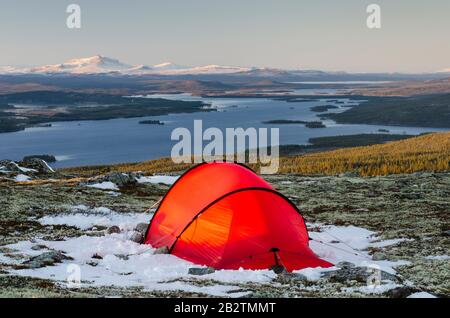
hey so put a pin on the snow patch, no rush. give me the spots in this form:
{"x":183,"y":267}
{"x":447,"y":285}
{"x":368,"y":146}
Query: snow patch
{"x":348,"y":244}
{"x":421,"y":295}
{"x":106,"y":185}
{"x":22,"y":178}
{"x":96,"y":217}
{"x":438,"y":257}
{"x":169,"y":180}
{"x":126,"y":264}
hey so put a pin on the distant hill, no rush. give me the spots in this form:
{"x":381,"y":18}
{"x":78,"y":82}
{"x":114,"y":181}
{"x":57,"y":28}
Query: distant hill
{"x":417,"y":111}
{"x":408,"y":88}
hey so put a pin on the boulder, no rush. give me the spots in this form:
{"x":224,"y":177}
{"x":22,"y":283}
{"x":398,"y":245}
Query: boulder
{"x":121,"y":179}
{"x":401,"y":292}
{"x":113,"y":229}
{"x":349,"y":272}
{"x":289,"y":278}
{"x":379,"y":256}
{"x":46,"y":259}
{"x":37,"y":164}
{"x":38,"y":247}
{"x":136,"y":237}
{"x":141,"y":228}
{"x":9,"y":166}
{"x":201,"y":271}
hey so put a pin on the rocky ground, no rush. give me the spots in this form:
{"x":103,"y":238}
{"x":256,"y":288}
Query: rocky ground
{"x":411,"y":209}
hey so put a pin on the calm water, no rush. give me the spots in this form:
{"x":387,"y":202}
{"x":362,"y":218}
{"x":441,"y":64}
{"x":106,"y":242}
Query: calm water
{"x":124,"y":140}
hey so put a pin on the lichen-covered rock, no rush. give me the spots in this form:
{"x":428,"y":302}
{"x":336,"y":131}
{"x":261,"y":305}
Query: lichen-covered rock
{"x":46,"y":259}
{"x":349,"y":272}
{"x":120,"y":179}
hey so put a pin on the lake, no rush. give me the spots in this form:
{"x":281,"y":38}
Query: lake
{"x":125,"y":140}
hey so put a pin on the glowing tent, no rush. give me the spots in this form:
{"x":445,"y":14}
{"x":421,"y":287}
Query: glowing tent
{"x":225,"y":216}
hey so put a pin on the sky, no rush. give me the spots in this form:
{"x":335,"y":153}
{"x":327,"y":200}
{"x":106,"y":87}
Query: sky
{"x":293,"y":34}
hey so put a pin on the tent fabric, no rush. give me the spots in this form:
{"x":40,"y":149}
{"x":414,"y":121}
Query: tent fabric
{"x":225,"y":216}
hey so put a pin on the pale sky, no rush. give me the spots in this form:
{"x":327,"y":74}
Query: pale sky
{"x":313,"y":34}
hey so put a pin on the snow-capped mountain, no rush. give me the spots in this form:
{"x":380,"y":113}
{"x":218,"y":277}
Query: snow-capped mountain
{"x":168,"y":66}
{"x":99,"y":64}
{"x":211,"y":69}
{"x":88,"y":65}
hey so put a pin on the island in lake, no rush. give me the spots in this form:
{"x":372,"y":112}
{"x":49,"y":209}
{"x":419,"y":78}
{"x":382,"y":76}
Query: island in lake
{"x":151,"y":122}
{"x":308,"y":124}
{"x":322,"y":108}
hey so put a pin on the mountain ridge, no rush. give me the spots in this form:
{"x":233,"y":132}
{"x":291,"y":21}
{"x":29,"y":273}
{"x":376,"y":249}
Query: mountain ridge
{"x":99,"y":64}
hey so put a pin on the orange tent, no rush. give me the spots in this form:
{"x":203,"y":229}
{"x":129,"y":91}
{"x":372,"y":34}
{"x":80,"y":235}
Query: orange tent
{"x":225,"y":216}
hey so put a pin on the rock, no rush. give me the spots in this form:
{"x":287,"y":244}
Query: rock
{"x":201,"y":270}
{"x":37,"y":164}
{"x":10,"y":166}
{"x":288,"y":278}
{"x":401,"y":292}
{"x":113,"y":229}
{"x":447,"y":233}
{"x":162,"y":250}
{"x":137,"y":237}
{"x":141,"y":228}
{"x":121,"y":179}
{"x":379,"y":256}
{"x":345,"y":265}
{"x":362,"y":274}
{"x":46,"y":259}
{"x":38,"y":247}
{"x":97,"y":256}
{"x":122,"y":256}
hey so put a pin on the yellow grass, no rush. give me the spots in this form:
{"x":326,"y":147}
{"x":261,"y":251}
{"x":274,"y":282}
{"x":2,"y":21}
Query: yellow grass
{"x":429,"y":152}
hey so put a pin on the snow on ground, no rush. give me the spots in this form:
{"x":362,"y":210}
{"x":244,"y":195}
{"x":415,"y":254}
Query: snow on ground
{"x":159,"y":179}
{"x":106,"y":185}
{"x":348,"y":243}
{"x":21,"y":178}
{"x":373,"y":289}
{"x":421,"y":295}
{"x":438,"y":257}
{"x":17,"y":167}
{"x":125,"y":263}
{"x":84,"y":218}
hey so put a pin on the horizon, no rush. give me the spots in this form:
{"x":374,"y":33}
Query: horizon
{"x":297,"y":35}
{"x":242,"y":66}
